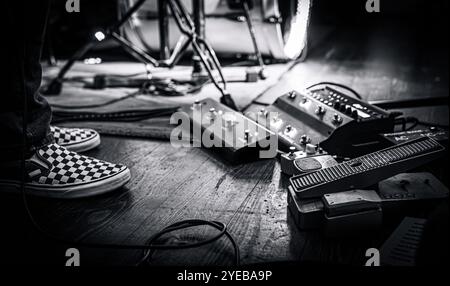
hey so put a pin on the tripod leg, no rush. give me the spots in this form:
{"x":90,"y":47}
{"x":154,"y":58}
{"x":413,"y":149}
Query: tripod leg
{"x":55,"y":85}
{"x":187,"y":28}
{"x":198,"y":8}
{"x":133,"y":50}
{"x":181,"y":46}
{"x":252,"y":31}
{"x":226,"y":97}
{"x":214,"y":61}
{"x":163,"y":30}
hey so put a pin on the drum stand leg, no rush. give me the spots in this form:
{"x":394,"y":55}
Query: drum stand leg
{"x":192,"y":35}
{"x":251,"y":28}
{"x":163,"y":22}
{"x":202,"y":50}
{"x":198,"y":8}
{"x":55,"y":85}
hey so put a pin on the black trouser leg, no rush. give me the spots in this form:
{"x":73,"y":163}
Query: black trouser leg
{"x":22,"y":24}
{"x":23,"y":27}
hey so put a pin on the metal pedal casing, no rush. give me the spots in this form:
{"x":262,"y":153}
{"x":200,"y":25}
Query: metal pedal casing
{"x":235,"y":136}
{"x":341,"y":124}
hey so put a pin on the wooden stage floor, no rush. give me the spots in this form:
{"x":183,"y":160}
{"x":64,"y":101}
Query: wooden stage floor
{"x":170,"y":184}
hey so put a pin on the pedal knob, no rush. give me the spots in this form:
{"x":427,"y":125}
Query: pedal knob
{"x":212,"y":113}
{"x":263,"y":112}
{"x":292,"y":95}
{"x":348,"y":110}
{"x":337,"y":105}
{"x":304,"y":139}
{"x":337,"y":119}
{"x":320,"y":110}
{"x":228,"y":120}
{"x":197,"y":104}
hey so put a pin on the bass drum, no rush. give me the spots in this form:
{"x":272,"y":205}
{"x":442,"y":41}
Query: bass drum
{"x":281,"y":27}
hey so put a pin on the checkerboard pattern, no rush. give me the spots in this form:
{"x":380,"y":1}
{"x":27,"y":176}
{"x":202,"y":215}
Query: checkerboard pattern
{"x":66,"y":136}
{"x":71,"y":168}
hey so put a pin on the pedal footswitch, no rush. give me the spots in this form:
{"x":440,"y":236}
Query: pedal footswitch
{"x":309,"y":160}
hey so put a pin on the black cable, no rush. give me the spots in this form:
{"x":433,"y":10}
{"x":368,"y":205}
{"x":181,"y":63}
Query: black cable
{"x":338,"y":85}
{"x":431,"y":124}
{"x":154,"y":86}
{"x":412,"y":120}
{"x":149,"y":246}
{"x":148,"y":253}
{"x":133,"y":94}
{"x":116,"y":116}
{"x":86,"y":78}
{"x":415,"y":122}
{"x":164,"y":87}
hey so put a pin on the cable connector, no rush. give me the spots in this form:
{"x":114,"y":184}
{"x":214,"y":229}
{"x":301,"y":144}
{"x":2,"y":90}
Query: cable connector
{"x":228,"y":101}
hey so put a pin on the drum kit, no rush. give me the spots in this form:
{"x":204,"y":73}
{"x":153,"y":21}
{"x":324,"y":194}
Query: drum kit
{"x":262,"y":28}
{"x":280,"y":27}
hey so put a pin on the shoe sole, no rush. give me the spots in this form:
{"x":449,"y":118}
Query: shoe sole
{"x":74,"y":191}
{"x":87,"y":145}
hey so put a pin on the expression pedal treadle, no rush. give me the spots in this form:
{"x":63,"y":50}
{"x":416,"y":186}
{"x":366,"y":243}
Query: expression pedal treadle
{"x":368,"y":169}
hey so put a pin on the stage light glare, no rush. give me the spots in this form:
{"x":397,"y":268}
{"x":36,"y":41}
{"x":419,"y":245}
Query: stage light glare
{"x":100,"y":36}
{"x":297,"y":38}
{"x":93,"y":61}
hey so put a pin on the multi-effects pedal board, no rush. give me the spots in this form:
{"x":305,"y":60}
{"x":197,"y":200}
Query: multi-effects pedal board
{"x":341,"y":124}
{"x":215,"y":126}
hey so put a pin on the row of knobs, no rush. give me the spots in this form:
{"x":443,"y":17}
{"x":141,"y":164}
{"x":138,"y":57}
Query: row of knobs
{"x":340,"y":107}
{"x":310,"y":149}
{"x":228,"y":120}
{"x":337,"y":119}
{"x":346,"y":109}
{"x":320,"y":111}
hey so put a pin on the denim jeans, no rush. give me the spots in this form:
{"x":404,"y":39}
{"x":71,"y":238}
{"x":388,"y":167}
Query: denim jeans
{"x":24,"y":114}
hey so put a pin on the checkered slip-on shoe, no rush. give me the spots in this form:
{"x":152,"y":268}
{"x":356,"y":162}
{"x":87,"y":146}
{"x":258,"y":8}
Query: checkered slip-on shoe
{"x":56,"y":172}
{"x":75,"y":139}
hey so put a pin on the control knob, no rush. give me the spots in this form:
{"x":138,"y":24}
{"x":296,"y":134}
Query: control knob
{"x":337,"y":119}
{"x":320,"y":110}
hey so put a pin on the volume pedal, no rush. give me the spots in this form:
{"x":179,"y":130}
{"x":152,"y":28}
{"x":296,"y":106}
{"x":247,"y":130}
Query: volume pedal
{"x":368,"y":169}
